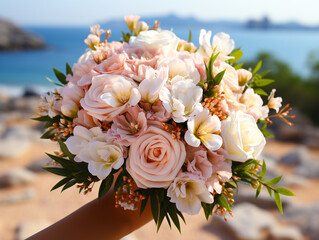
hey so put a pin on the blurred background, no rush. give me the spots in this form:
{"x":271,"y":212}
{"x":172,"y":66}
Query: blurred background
{"x":37,"y":35}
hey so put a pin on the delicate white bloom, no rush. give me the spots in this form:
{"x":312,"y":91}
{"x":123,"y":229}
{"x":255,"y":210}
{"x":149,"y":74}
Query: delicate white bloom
{"x":254,"y":104}
{"x":183,"y":101}
{"x":93,"y":147}
{"x":96,"y":30}
{"x":243,"y":76}
{"x":201,"y":128}
{"x":156,"y":40}
{"x":222,"y":44}
{"x":122,"y":93}
{"x":242,"y":138}
{"x":230,"y":77}
{"x":131,"y":21}
{"x":92,"y":41}
{"x":180,"y":68}
{"x":48,"y":105}
{"x":69,"y":108}
{"x":188,"y":191}
{"x":141,"y":26}
{"x":274,"y":103}
{"x":150,"y":87}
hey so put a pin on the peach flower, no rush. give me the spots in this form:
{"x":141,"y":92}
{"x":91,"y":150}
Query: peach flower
{"x":128,"y":126}
{"x":86,"y":120}
{"x":155,"y":158}
{"x":155,"y":111}
{"x":200,"y":164}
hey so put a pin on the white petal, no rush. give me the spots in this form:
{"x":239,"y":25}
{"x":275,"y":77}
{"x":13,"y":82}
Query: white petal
{"x":191,"y":139}
{"x":212,"y":141}
{"x":109,"y":99}
{"x":135,"y":97}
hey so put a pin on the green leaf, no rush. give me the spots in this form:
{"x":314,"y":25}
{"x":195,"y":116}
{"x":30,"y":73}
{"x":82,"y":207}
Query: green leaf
{"x":269,"y":191}
{"x":106,"y":185}
{"x":69,"y":184}
{"x":245,"y":164}
{"x":161,"y":218}
{"x":263,"y":82}
{"x":278,"y":202}
{"x":266,"y":133}
{"x":65,"y":150}
{"x":173,"y":214}
{"x":48,"y":134}
{"x":238,"y":66}
{"x":181,"y":215}
{"x":284,"y":191}
{"x":190,"y":35}
{"x":260,"y":92}
{"x":237,"y":54}
{"x":220,"y":199}
{"x":263,"y":169}
{"x":258,"y":66}
{"x":258,"y":190}
{"x":143,"y":205}
{"x":60,"y":183}
{"x":58,"y":171}
{"x":168,"y":221}
{"x":274,"y":181}
{"x":42,"y":119}
{"x":65,"y":163}
{"x":230,"y":184}
{"x":154,"y":207}
{"x":60,"y":76}
{"x":68,"y":69}
{"x":118,"y":181}
{"x":126,"y":37}
{"x":219,"y":77}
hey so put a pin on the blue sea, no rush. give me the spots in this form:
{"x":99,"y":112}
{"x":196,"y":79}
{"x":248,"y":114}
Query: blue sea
{"x":30,"y":68}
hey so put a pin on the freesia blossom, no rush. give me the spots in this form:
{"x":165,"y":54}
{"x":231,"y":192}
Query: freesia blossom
{"x":183,"y":101}
{"x":131,"y":21}
{"x":108,"y":96}
{"x":242,"y":138}
{"x":180,"y":66}
{"x":141,"y":26}
{"x":202,"y":129}
{"x":230,"y":78}
{"x":69,"y":108}
{"x":73,"y":92}
{"x":254,"y":104}
{"x":92,"y":41}
{"x":49,"y":105}
{"x":222,"y":44}
{"x":152,"y":84}
{"x":155,"y":158}
{"x":96,"y":30}
{"x":188,"y":191}
{"x":128,"y":126}
{"x":243,"y":76}
{"x":273,"y":102}
{"x":92,"y":146}
{"x":165,"y":41}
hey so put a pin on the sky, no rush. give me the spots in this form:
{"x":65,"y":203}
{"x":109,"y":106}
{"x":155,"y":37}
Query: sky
{"x":87,"y":12}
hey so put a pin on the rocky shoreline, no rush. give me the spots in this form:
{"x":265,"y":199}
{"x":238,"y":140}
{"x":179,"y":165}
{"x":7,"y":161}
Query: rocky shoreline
{"x":14,"y":38}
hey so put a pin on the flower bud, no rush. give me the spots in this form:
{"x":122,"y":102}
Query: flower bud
{"x":69,"y":108}
{"x":131,"y":21}
{"x":255,"y":184}
{"x":243,"y":76}
{"x":141,"y":26}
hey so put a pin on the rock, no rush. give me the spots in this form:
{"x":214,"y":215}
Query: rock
{"x":309,"y":169}
{"x":247,"y":223}
{"x":28,"y":228}
{"x":14,"y":38}
{"x":16,"y":177}
{"x":296,"y":156}
{"x":285,"y":233}
{"x":37,"y":166}
{"x":16,"y":140}
{"x":17,"y":198}
{"x":306,"y":217}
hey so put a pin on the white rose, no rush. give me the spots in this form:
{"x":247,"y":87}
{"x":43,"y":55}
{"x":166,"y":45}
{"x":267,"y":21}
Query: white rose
{"x":188,"y":191}
{"x":156,"y":40}
{"x":93,"y":147}
{"x":242,"y":138}
{"x":183,"y":101}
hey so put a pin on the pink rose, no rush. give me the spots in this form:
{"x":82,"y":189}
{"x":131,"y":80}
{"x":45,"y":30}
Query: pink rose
{"x":128,"y":126}
{"x":112,"y":65}
{"x":101,"y":102}
{"x":155,"y":158}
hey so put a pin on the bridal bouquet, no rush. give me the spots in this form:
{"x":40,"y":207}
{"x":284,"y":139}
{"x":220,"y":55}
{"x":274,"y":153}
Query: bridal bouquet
{"x":162,"y":120}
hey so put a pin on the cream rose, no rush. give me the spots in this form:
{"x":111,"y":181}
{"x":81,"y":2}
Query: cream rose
{"x":156,"y":40}
{"x":155,"y":158}
{"x":242,"y":138}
